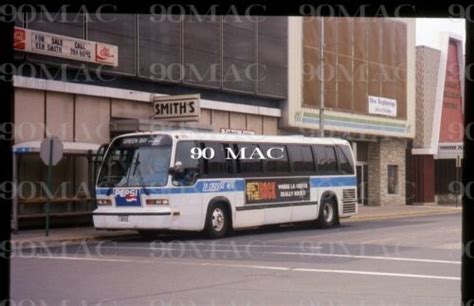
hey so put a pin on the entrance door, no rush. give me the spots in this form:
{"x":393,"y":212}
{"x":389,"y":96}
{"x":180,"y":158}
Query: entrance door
{"x":362,"y":183}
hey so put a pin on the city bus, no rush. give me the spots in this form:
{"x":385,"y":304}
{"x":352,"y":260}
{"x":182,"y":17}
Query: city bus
{"x":217,"y":183}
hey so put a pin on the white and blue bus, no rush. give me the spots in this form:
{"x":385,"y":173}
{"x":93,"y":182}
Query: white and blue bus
{"x":216,"y":183}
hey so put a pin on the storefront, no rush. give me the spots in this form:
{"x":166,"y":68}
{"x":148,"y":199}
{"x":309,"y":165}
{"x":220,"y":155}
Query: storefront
{"x":436,"y":156}
{"x":366,"y":85}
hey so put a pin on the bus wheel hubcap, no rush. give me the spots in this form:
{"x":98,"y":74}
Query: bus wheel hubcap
{"x":328,"y":212}
{"x":218,"y":219}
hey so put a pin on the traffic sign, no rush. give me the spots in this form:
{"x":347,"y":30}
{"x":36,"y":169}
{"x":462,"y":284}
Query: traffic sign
{"x":55,"y":149}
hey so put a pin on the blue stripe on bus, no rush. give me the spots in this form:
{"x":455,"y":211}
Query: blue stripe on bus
{"x":237,"y":185}
{"x":333,"y":181}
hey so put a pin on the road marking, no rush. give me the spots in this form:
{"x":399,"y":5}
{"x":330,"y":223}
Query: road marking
{"x":195,"y":244}
{"x":276,"y":268}
{"x":453,"y":262}
{"x":248,"y":266}
{"x":409,"y":259}
{"x":378,"y":273}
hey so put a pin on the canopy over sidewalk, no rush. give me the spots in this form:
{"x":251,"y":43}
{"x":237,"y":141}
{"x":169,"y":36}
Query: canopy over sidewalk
{"x":69,"y":147}
{"x":32,"y":148}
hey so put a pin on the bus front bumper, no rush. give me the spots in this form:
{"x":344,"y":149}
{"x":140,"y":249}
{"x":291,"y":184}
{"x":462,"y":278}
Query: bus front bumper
{"x":110,"y":220}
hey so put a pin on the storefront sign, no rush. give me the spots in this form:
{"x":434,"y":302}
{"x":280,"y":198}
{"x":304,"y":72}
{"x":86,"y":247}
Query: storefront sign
{"x":237,"y":131}
{"x":177,"y":108}
{"x":382,"y":106}
{"x":277,"y":190}
{"x":450,"y":149}
{"x":66,"y":47}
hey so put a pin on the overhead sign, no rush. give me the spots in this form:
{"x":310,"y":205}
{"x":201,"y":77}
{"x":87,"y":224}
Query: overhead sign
{"x":382,"y":106}
{"x":177,"y":108}
{"x":51,"y":146}
{"x":237,"y":131}
{"x":65,"y":47}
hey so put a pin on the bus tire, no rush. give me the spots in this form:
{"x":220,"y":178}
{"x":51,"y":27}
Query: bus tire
{"x":328,"y":215}
{"x":217,"y":221}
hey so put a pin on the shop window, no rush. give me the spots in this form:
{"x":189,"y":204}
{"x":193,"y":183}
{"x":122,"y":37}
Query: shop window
{"x":392,"y":182}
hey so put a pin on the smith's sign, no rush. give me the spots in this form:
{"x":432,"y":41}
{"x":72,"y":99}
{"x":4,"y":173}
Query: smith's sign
{"x":183,"y":107}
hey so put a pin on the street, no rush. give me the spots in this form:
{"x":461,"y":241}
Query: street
{"x":409,"y":261}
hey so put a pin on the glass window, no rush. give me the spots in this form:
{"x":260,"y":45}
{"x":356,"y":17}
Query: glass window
{"x":344,"y":157}
{"x":191,"y":167}
{"x":136,"y":161}
{"x":276,"y":165}
{"x":202,"y":56}
{"x":159,"y":43}
{"x":215,"y":166}
{"x":326,"y":157}
{"x":250,"y":165}
{"x":301,"y":158}
{"x":118,"y":30}
{"x":392,"y":181}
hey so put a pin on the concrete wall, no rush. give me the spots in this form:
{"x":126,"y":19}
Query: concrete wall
{"x":381,"y":154}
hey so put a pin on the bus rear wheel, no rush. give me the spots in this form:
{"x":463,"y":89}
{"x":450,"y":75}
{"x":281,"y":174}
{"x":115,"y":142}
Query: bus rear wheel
{"x":328,"y":215}
{"x":217,"y":221}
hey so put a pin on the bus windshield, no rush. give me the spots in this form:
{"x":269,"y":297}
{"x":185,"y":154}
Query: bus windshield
{"x":137,"y":161}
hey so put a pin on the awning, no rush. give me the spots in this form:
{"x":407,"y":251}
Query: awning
{"x":69,"y":147}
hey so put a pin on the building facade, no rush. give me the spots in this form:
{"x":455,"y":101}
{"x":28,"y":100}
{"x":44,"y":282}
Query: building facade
{"x":86,"y":80}
{"x":436,"y":156}
{"x":366,"y":74}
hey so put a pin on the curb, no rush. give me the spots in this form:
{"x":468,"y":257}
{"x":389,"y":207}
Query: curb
{"x":72,"y":239}
{"x":402,"y":215}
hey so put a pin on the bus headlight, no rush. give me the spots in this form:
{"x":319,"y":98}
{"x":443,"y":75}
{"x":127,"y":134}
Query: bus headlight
{"x":104,"y":202}
{"x":157,"y":202}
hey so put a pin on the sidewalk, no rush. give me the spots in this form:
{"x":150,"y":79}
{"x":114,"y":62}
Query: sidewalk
{"x":391,"y":212}
{"x":77,"y":234}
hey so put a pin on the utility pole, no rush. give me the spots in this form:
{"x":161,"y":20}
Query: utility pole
{"x":321,"y":70}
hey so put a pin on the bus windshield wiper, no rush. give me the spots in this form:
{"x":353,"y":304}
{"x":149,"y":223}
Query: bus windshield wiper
{"x":140,"y":177}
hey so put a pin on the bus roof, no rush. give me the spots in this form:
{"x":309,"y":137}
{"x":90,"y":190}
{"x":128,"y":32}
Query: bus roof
{"x":192,"y":135}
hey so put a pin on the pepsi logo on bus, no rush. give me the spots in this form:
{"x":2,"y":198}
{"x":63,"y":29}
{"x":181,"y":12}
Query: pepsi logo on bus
{"x":127,"y":197}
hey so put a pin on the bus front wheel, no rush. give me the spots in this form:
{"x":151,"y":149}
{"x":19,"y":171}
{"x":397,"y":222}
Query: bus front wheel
{"x":328,"y":214}
{"x":217,"y":221}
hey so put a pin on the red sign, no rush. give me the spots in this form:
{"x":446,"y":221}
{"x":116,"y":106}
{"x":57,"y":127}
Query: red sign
{"x":105,"y":53}
{"x":451,"y":129}
{"x":19,"y":39}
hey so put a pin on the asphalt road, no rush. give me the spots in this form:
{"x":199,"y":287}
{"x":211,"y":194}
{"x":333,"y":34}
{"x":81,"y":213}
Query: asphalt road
{"x":411,"y":261}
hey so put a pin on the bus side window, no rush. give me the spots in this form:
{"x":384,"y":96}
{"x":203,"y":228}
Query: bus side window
{"x":229,"y":163}
{"x":301,"y":158}
{"x":326,"y":157}
{"x":247,"y":166}
{"x":346,"y":165}
{"x":191,"y":167}
{"x":281,"y":165}
{"x":215,"y":167}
